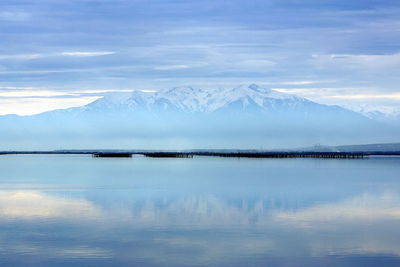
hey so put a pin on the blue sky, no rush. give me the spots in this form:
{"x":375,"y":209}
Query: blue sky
{"x":61,"y":53}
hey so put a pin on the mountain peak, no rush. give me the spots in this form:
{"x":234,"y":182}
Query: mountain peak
{"x":259,"y":89}
{"x":192,"y":99}
{"x":256,"y":89}
{"x":254,"y":86}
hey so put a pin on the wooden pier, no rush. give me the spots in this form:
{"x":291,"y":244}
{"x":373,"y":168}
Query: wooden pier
{"x":327,"y":155}
{"x":227,"y":154}
{"x":168,"y":155}
{"x":112,"y":155}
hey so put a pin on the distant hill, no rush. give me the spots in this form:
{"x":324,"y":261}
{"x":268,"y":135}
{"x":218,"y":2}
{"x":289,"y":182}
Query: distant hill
{"x":370,"y":147}
{"x":385,"y":147}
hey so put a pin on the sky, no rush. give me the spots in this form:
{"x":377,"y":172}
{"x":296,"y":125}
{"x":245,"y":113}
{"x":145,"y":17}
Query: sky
{"x":63,"y":53}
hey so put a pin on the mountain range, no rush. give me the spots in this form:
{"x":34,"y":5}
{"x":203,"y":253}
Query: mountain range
{"x":246,"y":116}
{"x":244,"y":98}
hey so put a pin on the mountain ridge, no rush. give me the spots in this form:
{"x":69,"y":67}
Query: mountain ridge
{"x":189,"y":99}
{"x":246,"y":116}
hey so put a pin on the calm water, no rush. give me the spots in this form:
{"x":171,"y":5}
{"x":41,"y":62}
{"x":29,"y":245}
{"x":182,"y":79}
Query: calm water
{"x":79,"y":210}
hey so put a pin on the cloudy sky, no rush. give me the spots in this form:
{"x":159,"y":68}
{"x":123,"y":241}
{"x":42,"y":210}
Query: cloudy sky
{"x":63,"y":53}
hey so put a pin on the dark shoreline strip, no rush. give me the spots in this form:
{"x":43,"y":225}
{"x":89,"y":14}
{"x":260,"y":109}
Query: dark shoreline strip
{"x":191,"y":154}
{"x":112,"y":155}
{"x":168,"y":155}
{"x":336,"y":155}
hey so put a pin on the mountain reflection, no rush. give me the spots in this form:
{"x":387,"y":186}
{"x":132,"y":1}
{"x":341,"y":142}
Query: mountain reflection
{"x":358,"y":225}
{"x":219,"y":212}
{"x":200,"y":210}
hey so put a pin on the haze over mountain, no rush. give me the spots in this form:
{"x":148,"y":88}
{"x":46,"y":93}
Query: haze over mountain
{"x":246,"y":116}
{"x":244,"y":99}
{"x":386,"y":115}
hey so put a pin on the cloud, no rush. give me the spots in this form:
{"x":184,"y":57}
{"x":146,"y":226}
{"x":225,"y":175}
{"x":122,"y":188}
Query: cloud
{"x":43,"y":71}
{"x":340,"y":93}
{"x":30,"y":106}
{"x":14,"y":92}
{"x":19,"y":88}
{"x":102,"y":91}
{"x":32,"y":93}
{"x":34,"y":100}
{"x":349,"y":97}
{"x":171,"y":67}
{"x":14,"y":16}
{"x":234,"y":41}
{"x":357,"y":61}
{"x":22,"y":56}
{"x":305,"y":82}
{"x":83,"y":252}
{"x":368,"y":96}
{"x":67,"y":54}
{"x":87,"y":54}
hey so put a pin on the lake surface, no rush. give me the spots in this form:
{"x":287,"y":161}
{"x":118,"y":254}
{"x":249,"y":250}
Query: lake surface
{"x":84,"y":211}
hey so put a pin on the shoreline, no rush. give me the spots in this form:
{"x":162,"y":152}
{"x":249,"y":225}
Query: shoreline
{"x":233,"y":154}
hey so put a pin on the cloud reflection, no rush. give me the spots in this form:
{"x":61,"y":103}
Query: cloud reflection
{"x":359,"y":208}
{"x":201,"y":210}
{"x":208,"y":227}
{"x":34,"y":204}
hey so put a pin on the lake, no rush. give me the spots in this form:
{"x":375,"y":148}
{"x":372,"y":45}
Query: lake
{"x":83,"y":211}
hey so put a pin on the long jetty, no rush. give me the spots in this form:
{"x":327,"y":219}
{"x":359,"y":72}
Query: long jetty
{"x":228,"y":154}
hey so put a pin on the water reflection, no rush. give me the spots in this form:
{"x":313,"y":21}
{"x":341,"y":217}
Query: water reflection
{"x":35,"y":204}
{"x":365,"y":207}
{"x":147,"y":225}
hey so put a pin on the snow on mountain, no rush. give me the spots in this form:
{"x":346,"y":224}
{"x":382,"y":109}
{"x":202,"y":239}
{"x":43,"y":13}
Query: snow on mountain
{"x":245,"y":116}
{"x":193,"y":100}
{"x":388,"y":114}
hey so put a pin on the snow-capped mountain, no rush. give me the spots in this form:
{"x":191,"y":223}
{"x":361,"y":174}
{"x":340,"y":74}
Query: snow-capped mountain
{"x":246,"y":116}
{"x":387,"y":114}
{"x":188,"y":99}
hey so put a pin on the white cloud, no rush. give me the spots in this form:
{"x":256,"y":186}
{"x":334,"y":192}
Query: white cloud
{"x":13,"y":92}
{"x":22,"y":56}
{"x":44,"y":71}
{"x":101,"y":91}
{"x":67,"y":54}
{"x":368,"y":96}
{"x":33,"y":93}
{"x":20,"y":87}
{"x":305,"y":82}
{"x":349,"y":97}
{"x":340,"y":93}
{"x":30,"y":106}
{"x":87,"y":54}
{"x":171,"y":67}
{"x":22,"y":100}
